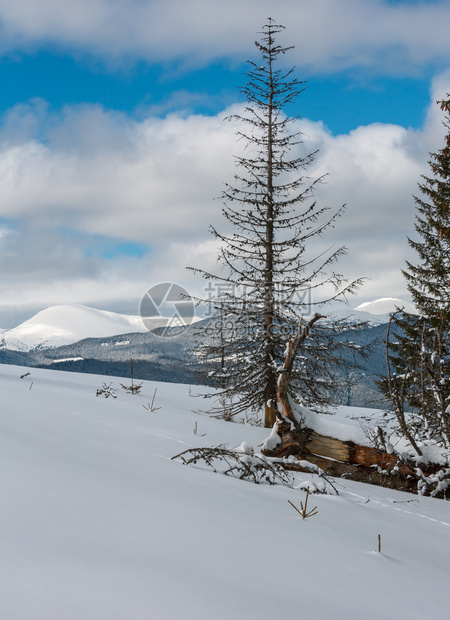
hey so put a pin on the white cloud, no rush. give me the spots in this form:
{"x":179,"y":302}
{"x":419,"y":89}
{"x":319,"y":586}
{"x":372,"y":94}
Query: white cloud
{"x":110,"y":175}
{"x":329,"y":35}
{"x":85,"y":172}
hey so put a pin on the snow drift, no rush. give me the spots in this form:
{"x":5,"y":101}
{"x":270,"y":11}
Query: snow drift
{"x":97,"y":521}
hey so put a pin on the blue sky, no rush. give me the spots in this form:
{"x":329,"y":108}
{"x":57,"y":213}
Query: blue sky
{"x":342,"y":101}
{"x":113,"y":147}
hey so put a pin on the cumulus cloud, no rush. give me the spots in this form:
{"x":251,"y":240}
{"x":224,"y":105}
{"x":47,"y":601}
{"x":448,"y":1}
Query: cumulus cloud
{"x":329,"y":35}
{"x":108,"y":174}
{"x":69,"y":178}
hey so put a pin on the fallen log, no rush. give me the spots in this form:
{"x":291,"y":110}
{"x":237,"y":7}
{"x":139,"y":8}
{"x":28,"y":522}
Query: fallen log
{"x":354,"y":454}
{"x":345,"y":459}
{"x":335,"y":457}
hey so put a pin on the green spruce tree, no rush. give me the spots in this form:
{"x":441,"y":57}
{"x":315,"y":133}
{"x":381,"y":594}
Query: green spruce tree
{"x":419,"y":352}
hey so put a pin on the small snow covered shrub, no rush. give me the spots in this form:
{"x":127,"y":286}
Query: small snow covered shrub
{"x":243,"y":463}
{"x":106,"y":391}
{"x":240,"y":463}
{"x":313,"y":487}
{"x":435,"y":485}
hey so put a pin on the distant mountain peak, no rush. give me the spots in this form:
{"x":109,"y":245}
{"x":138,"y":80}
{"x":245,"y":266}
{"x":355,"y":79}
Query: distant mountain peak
{"x":65,"y":324}
{"x":386,"y":305}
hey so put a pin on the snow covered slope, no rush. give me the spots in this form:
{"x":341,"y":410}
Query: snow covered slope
{"x":65,"y":324}
{"x":97,"y":521}
{"x":385,"y":306}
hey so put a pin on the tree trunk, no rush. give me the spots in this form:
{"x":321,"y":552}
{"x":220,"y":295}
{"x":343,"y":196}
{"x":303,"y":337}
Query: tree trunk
{"x":293,"y":437}
{"x":270,"y":415}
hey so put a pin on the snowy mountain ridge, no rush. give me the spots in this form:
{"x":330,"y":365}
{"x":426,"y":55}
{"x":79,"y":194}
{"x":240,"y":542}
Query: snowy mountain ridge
{"x":385,"y":306}
{"x":65,"y":324}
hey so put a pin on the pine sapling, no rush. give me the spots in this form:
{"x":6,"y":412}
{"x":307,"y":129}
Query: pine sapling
{"x":134,"y":388}
{"x":151,"y":407}
{"x":303,"y":512}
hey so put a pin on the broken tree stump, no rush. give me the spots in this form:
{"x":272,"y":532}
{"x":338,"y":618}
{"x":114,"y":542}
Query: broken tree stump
{"x":334,"y":456}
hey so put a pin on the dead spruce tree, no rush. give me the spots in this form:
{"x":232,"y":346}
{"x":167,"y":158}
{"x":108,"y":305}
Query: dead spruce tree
{"x":268,"y":280}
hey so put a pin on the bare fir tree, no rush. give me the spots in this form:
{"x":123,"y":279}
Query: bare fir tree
{"x":268,"y":279}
